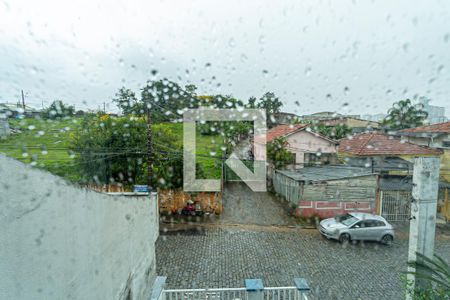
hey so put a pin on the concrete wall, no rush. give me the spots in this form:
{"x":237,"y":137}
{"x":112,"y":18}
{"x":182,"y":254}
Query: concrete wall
{"x":62,"y":242}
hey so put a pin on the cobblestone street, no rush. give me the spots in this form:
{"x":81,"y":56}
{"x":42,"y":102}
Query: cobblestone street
{"x":224,"y":255}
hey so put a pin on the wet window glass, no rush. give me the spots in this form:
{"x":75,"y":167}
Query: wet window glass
{"x":224,"y":149}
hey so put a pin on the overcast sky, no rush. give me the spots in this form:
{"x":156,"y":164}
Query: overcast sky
{"x":347,"y":56}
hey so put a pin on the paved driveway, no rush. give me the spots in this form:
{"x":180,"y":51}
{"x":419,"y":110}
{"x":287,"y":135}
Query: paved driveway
{"x":224,"y":255}
{"x":243,"y":206}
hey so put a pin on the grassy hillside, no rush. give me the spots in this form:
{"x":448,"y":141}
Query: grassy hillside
{"x":45,"y":143}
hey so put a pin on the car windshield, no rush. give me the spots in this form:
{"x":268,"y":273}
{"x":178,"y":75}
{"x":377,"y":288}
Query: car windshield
{"x":346,"y":219}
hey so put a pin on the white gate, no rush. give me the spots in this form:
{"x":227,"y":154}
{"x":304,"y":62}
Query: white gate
{"x":395,"y":205}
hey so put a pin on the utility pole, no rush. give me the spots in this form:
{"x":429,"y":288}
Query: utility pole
{"x":104,"y":107}
{"x":23,"y":101}
{"x":149,"y":149}
{"x":423,"y":212}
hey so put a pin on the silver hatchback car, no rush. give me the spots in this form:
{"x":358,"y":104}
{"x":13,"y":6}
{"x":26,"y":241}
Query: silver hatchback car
{"x":357,"y":226}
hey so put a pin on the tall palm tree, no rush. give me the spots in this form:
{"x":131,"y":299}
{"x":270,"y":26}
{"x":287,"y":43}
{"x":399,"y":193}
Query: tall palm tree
{"x":404,"y":114}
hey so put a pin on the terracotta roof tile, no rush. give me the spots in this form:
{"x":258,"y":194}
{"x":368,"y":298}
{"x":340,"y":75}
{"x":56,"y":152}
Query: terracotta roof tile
{"x":370,"y":144}
{"x":282,"y":130}
{"x":434,"y":128}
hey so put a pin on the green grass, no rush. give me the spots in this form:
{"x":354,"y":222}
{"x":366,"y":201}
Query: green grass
{"x":45,"y":143}
{"x":209,"y":151}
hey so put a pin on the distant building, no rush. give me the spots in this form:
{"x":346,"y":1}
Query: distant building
{"x":357,"y":125}
{"x":13,"y":110}
{"x":285,"y":118}
{"x":325,"y":115}
{"x":374,"y":118}
{"x":436,"y":114}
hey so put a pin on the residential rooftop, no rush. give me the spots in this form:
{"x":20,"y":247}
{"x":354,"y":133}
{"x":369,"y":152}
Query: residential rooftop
{"x":374,"y":143}
{"x":284,"y":130}
{"x":434,"y":128}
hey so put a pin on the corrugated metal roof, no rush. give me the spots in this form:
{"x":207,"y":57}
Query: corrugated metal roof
{"x":380,"y":163}
{"x":326,"y":173}
{"x":402,"y":184}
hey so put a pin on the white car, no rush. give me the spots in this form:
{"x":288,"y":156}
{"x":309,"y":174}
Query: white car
{"x":357,"y":227}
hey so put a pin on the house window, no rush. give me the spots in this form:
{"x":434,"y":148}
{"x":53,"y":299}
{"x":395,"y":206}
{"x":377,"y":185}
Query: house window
{"x":319,"y":159}
{"x":293,"y":158}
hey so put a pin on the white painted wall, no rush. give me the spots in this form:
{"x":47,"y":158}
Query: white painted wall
{"x":302,"y":142}
{"x":58,"y":241}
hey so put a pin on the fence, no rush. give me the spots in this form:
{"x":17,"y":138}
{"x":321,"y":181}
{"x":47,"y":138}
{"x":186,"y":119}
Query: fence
{"x":106,"y":188}
{"x":254,"y":290}
{"x":175,"y":200}
{"x":395,"y":205}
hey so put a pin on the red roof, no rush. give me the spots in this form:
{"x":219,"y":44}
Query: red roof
{"x":369,"y":144}
{"x":282,"y":130}
{"x":435,"y":128}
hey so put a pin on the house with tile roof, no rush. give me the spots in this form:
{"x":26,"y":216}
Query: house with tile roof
{"x":435,"y":136}
{"x":383,"y":153}
{"x":392,"y":158}
{"x":307,"y":147}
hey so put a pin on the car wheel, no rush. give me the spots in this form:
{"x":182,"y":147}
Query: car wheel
{"x":344,"y":238}
{"x":387,"y":239}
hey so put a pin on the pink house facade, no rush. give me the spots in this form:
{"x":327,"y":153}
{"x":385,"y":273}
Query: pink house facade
{"x":306,"y":146}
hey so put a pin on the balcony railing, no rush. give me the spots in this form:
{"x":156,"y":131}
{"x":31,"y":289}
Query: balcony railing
{"x":253,"y":290}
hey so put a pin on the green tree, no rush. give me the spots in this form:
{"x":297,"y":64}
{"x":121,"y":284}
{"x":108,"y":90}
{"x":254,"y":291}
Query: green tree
{"x":232,"y":132}
{"x":272,"y":105}
{"x":404,"y":114}
{"x":126,"y":101}
{"x":58,"y":110}
{"x":277,"y":153}
{"x":335,"y":132}
{"x":251,"y":102}
{"x":165,"y":99}
{"x":114,"y":150}
{"x":191,"y":89}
